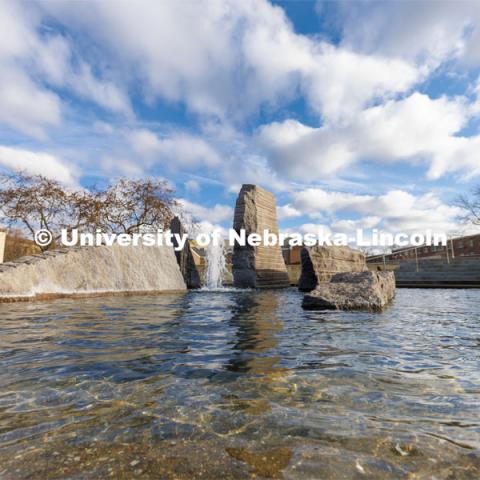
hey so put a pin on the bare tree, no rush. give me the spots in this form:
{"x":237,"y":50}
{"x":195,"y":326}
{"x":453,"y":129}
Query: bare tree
{"x":470,"y":206}
{"x":132,"y":206}
{"x":35,"y":202}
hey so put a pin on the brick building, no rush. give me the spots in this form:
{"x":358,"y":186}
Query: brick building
{"x":457,"y":247}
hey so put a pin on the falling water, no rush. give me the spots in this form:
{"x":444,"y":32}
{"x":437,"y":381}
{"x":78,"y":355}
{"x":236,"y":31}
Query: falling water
{"x":215,"y":271}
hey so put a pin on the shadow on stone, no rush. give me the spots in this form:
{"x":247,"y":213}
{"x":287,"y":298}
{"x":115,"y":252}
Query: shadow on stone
{"x":185,"y":258}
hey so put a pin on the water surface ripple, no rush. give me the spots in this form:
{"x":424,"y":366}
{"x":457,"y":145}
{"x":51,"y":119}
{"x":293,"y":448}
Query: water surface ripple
{"x":239,"y":384}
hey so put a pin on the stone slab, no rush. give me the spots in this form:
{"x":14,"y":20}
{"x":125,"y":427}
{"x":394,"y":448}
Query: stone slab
{"x":262,"y":266}
{"x":320,"y":263}
{"x":91,"y":271}
{"x":370,"y":291}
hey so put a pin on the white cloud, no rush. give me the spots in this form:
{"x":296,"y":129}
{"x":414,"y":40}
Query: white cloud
{"x":236,"y":57}
{"x":287,"y":211}
{"x":240,"y":161}
{"x":179,"y":148}
{"x":192,"y":186}
{"x":430,"y":31}
{"x":36,"y":163}
{"x":225,"y":60}
{"x":349,"y":226}
{"x":219,"y":150}
{"x":315,"y":201}
{"x":103,"y":128}
{"x":303,"y":152}
{"x":33,"y":63}
{"x":341,"y":82}
{"x":216,"y":214}
{"x":26,"y":107}
{"x":143,"y":34}
{"x":56,"y":60}
{"x":314,"y":228}
{"x":122,"y":165}
{"x":395,"y":211}
{"x":415,"y":129}
{"x":250,"y":168}
{"x":208,"y":228}
{"x":104,"y":93}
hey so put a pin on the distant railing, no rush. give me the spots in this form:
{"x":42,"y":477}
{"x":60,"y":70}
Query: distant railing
{"x":446,"y":252}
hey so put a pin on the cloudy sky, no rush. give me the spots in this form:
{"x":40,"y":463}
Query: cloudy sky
{"x":356,"y":114}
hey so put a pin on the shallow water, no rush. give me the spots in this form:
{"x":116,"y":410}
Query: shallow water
{"x":240,"y":384}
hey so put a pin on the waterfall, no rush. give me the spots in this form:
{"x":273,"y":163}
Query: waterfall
{"x":215,"y":266}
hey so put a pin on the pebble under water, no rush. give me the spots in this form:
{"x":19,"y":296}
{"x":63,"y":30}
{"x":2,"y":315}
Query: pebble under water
{"x":240,"y":384}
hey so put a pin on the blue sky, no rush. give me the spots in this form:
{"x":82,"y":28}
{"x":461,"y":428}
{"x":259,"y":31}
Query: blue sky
{"x":356,"y":114}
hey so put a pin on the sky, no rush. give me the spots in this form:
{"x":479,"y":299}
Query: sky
{"x":356,"y":114}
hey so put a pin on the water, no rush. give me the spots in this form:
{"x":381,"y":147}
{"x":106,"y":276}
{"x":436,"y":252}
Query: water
{"x":216,"y":268}
{"x":240,"y":384}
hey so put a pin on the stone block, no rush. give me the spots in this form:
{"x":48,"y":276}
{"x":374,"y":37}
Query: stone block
{"x":320,"y":263}
{"x":370,"y":291}
{"x":261,"y":266}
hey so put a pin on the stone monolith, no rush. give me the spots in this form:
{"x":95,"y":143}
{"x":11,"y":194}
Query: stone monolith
{"x":259,"y":266}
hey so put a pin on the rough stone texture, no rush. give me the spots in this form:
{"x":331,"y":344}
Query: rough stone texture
{"x":262,"y":266}
{"x":367,"y":290}
{"x":320,"y":263}
{"x":91,"y":270}
{"x":3,"y":238}
{"x":185,"y":258}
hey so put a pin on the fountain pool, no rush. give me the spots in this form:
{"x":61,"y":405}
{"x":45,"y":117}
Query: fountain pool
{"x":240,"y":384}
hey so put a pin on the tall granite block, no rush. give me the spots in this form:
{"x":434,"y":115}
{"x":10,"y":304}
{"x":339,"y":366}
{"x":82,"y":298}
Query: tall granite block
{"x":185,"y":257}
{"x":320,"y":263}
{"x":261,"y":266}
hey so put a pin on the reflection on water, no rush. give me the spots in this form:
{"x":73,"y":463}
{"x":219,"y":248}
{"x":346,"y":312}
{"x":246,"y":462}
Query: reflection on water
{"x":240,"y":384}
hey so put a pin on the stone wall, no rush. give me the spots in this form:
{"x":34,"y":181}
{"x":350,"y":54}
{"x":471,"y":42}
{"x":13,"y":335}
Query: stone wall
{"x":460,"y":272}
{"x":257,"y":267}
{"x":91,"y":271}
{"x":320,"y":263}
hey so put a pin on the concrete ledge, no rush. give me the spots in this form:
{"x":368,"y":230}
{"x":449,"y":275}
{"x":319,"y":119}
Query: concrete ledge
{"x":77,"y":295}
